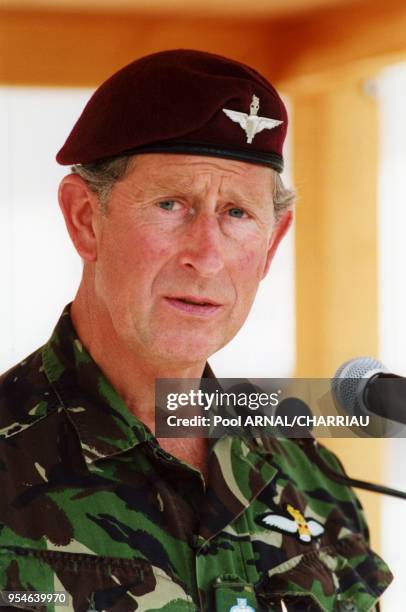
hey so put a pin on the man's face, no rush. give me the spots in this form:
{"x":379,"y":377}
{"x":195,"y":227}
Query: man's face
{"x":181,"y":251}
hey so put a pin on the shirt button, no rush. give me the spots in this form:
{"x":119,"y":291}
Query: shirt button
{"x":347,"y":606}
{"x":194,"y":542}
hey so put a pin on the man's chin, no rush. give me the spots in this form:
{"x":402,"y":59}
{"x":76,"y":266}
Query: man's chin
{"x":188,"y":352}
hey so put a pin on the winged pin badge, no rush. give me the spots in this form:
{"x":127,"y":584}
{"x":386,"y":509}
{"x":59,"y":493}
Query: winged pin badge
{"x":304,"y":528}
{"x":252,"y":124}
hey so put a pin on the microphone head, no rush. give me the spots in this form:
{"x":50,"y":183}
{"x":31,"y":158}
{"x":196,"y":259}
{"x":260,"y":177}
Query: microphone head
{"x":350,"y":379}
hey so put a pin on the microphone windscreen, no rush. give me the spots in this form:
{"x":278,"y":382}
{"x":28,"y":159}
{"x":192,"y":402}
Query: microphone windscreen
{"x":350,"y":379}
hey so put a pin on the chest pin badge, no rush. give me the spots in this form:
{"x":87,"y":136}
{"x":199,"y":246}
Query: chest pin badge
{"x":304,"y":528}
{"x":241,"y":606}
{"x":252,"y":124}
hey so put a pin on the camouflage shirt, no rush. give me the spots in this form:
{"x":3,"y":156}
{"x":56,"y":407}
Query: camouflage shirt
{"x":91,"y":505}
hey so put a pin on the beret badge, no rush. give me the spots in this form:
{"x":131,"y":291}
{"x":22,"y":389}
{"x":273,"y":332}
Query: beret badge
{"x":252,"y":124}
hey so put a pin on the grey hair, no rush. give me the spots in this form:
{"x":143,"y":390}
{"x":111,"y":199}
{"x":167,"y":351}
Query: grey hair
{"x":283,"y":197}
{"x":101,"y":177}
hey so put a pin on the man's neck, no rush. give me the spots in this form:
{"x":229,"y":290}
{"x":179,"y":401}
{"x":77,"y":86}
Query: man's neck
{"x":133,"y":378}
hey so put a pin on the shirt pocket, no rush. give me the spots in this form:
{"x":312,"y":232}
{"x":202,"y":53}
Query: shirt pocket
{"x":92,"y":582}
{"x":345,"y":577}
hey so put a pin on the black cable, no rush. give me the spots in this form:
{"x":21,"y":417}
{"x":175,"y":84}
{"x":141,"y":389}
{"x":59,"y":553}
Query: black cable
{"x":311,"y":446}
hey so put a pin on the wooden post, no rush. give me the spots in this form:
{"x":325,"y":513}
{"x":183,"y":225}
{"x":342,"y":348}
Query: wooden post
{"x":335,"y":169}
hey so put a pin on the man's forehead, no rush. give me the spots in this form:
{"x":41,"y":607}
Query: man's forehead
{"x":190,"y":173}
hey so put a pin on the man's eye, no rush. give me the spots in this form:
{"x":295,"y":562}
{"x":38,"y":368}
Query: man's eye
{"x":238,"y":213}
{"x":169,"y":205}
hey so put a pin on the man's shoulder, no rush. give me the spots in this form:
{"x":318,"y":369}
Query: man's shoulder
{"x":25,"y":395}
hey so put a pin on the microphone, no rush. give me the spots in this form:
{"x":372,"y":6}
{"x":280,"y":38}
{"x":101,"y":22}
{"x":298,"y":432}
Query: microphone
{"x":365,"y":386}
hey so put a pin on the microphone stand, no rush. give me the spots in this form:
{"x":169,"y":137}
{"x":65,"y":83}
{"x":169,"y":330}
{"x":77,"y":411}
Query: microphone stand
{"x":311,"y":447}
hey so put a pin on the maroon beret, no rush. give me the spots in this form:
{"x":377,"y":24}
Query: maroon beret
{"x":181,"y":101}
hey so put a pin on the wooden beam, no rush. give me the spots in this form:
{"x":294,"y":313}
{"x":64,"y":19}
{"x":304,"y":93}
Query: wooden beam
{"x":360,"y":37}
{"x":82,"y":49}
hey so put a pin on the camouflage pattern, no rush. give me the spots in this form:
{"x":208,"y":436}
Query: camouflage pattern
{"x":91,"y":504}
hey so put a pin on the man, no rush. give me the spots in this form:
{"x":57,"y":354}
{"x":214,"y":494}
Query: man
{"x":176,"y":207}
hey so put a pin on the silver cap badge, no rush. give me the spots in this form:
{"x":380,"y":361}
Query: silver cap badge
{"x":252,"y":124}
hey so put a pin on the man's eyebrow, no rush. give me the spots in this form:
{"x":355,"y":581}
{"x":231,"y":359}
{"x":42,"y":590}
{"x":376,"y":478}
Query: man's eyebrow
{"x":173,"y":185}
{"x":248,"y":198}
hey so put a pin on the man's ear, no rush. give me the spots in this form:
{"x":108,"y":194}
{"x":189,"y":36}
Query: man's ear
{"x":279,"y":231}
{"x":79,"y":206}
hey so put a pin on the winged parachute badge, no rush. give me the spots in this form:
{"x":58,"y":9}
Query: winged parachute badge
{"x":304,"y":528}
{"x":252,"y":124}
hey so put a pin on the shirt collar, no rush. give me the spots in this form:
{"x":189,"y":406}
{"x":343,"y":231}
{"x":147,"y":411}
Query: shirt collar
{"x":239,"y":469}
{"x":104,"y":423}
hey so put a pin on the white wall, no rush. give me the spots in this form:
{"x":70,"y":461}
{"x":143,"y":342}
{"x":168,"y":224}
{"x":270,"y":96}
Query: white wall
{"x":40,"y":269}
{"x":392,"y":301}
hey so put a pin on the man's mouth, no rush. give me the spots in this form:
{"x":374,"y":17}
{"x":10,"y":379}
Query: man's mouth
{"x":193,"y":304}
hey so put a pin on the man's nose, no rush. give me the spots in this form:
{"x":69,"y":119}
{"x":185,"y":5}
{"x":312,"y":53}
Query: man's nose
{"x":203,"y":245}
